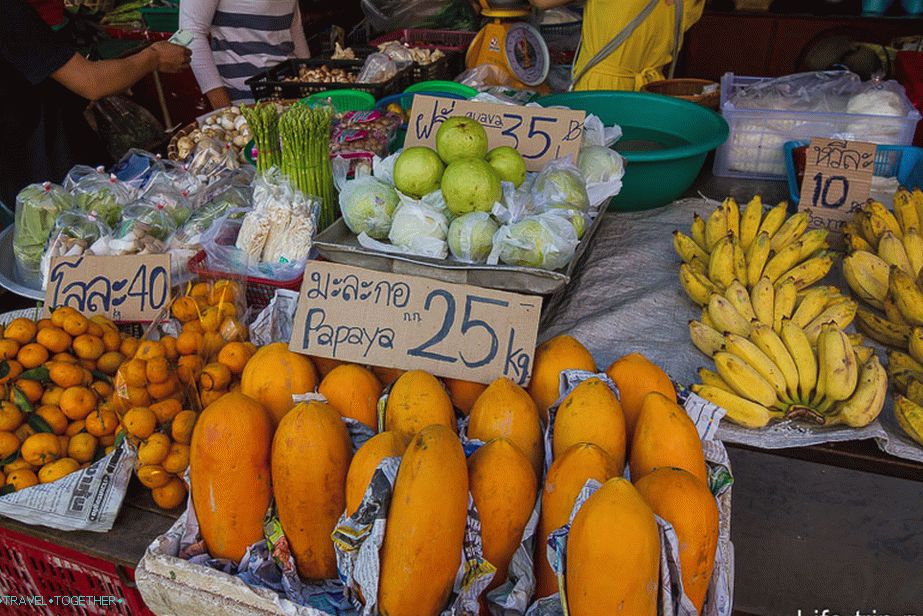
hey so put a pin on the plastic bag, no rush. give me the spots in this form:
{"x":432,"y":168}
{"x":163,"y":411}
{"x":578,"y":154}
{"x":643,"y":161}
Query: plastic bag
{"x":37,"y":208}
{"x":145,"y":229}
{"x":124,"y":124}
{"x":471,"y":236}
{"x":825,"y":91}
{"x":603,"y":169}
{"x":364,"y":131}
{"x":136,"y":168}
{"x":560,"y":185}
{"x":367,"y":203}
{"x":401,"y":55}
{"x":77,"y":173}
{"x":546,"y":241}
{"x":104,"y":195}
{"x":73,"y":234}
{"x":378,"y":67}
{"x":162,"y":191}
{"x":596,"y":133}
{"x":211,"y":159}
{"x":416,"y":229}
{"x":484,"y":75}
{"x":183,"y":179}
{"x":389,"y":15}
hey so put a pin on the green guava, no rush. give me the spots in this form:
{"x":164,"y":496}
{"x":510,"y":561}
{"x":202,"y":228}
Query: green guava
{"x":417,"y":171}
{"x":470,"y":185}
{"x":508,"y":163}
{"x":461,"y":137}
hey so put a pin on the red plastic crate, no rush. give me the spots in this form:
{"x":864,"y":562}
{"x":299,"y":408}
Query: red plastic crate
{"x":446,"y":40}
{"x":259,"y":291}
{"x":31,"y":567}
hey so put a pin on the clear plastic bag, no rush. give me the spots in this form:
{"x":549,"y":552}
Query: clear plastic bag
{"x":77,"y":173}
{"x":471,"y":236}
{"x":162,"y":191}
{"x":560,"y":185}
{"x":603,"y":169}
{"x":596,"y":133}
{"x":546,"y":241}
{"x":73,"y":234}
{"x":367,"y":203}
{"x":144,"y":229}
{"x":37,"y":209}
{"x":824,"y":91}
{"x":104,"y":195}
{"x":378,"y":67}
{"x":211,"y":160}
{"x":136,"y":168}
{"x":389,"y":15}
{"x":401,"y":55}
{"x":416,"y":229}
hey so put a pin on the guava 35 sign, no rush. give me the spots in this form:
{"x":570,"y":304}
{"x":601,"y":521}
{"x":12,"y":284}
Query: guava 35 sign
{"x":407,"y":322}
{"x":540,"y":134}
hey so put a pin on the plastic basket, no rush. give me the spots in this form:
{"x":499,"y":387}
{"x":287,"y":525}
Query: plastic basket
{"x":161,"y":18}
{"x":901,"y":161}
{"x":344,"y":100}
{"x":755,"y":148}
{"x":456,"y":41}
{"x":688,"y":89}
{"x":259,"y":290}
{"x":441,"y":86}
{"x":30,"y":567}
{"x":270,"y":83}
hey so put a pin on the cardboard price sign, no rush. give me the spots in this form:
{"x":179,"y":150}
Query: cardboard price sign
{"x":539,"y":134}
{"x":123,"y":288}
{"x":397,"y":321}
{"x":837,"y":180}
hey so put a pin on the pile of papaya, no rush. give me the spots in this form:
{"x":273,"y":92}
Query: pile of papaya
{"x":254,"y":446}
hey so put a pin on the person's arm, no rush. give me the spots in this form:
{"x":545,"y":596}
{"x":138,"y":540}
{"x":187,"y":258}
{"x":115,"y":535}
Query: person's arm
{"x":301,"y":43}
{"x":544,"y":5}
{"x":95,"y":80}
{"x":195,"y":17}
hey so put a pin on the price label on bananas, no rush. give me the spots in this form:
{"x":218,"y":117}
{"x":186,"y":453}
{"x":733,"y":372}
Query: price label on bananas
{"x":125,"y":288}
{"x":412,"y":323}
{"x":837,"y":181}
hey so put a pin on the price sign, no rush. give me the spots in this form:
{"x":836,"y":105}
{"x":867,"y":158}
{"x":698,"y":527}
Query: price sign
{"x":406,"y":322}
{"x":124,"y":288}
{"x":539,"y":134}
{"x":837,"y":180}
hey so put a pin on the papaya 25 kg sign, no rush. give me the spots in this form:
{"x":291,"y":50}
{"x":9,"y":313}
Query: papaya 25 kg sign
{"x":406,"y":322}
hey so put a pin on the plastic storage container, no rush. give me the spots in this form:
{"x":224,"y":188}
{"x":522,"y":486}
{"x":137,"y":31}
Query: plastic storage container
{"x":754,"y":149}
{"x":271,"y":83}
{"x":343,"y":100}
{"x":453,"y":42}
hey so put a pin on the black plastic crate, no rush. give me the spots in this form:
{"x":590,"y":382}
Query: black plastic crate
{"x":270,"y":84}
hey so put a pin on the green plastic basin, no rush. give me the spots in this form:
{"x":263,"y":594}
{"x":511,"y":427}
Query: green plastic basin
{"x":665,"y":141}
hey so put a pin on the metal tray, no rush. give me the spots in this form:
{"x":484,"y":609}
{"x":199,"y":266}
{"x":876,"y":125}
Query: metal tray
{"x":338,"y":244}
{"x":8,"y":278}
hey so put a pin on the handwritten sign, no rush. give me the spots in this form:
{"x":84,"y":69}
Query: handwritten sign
{"x":406,"y":322}
{"x":124,"y":288}
{"x":540,"y":134}
{"x":837,"y":181}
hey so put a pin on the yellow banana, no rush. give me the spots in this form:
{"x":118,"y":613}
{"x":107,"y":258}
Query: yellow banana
{"x":855,"y":241}
{"x":774,"y":219}
{"x":831,"y":292}
{"x":915,"y":344}
{"x":856,"y":339}
{"x":891,"y":250}
{"x":811,"y":305}
{"x":916,"y":195}
{"x":762,"y":298}
{"x":909,"y":416}
{"x":872,"y":228}
{"x":891,"y":311}
{"x":907,"y":296}
{"x":687,"y":249}
{"x":814,"y":241}
{"x":784,"y":303}
{"x":740,"y":263}
{"x":750,"y":222}
{"x":725,"y":317}
{"x":839,"y":368}
{"x":913,"y":246}
{"x":699,"y":266}
{"x":716,"y":228}
{"x":867,"y":276}
{"x":737,"y":294}
{"x":842,"y":312}
{"x":915,"y":391}
{"x":790,"y":231}
{"x":759,"y":361}
{"x":697,"y":286}
{"x":782,"y":261}
{"x":798,"y":346}
{"x":876,"y":209}
{"x":808,"y":272}
{"x":721,"y":262}
{"x":706,"y":319}
{"x":739,"y":410}
{"x":771,"y":344}
{"x":698,"y":231}
{"x":732,"y":216}
{"x":863,"y":353}
{"x":757,"y":256}
{"x":713,"y":379}
{"x":900,"y":363}
{"x":744,"y":380}
{"x":904,"y":211}
{"x":881,"y":330}
{"x":864,"y":405}
{"x":705,"y":338}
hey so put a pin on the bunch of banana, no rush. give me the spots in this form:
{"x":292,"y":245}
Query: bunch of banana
{"x":746,"y":246}
{"x":906,"y":372}
{"x":765,"y":375}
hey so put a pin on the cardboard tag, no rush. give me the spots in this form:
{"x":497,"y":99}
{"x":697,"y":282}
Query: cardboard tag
{"x":540,"y":134}
{"x":406,"y":322}
{"x":837,"y":181}
{"x":123,"y":288}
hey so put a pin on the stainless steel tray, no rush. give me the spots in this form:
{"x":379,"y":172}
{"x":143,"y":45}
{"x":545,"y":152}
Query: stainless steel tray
{"x":8,"y":278}
{"x":338,"y":244}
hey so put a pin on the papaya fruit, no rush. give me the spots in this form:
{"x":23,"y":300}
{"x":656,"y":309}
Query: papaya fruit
{"x":311,"y":452}
{"x":591,"y":413}
{"x":551,"y":358}
{"x":505,"y":409}
{"x":417,"y":399}
{"x":666,"y":436}
{"x":463,"y":393}
{"x":613,"y":555}
{"x":365,"y":461}
{"x":689,"y":506}
{"x":273,"y":374}
{"x":565,"y":479}
{"x":426,"y":525}
{"x":636,"y":376}
{"x":229,"y":473}
{"x":354,"y":392}
{"x":503,"y":487}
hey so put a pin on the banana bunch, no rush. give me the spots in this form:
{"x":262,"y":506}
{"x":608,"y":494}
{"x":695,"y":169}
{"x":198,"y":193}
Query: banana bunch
{"x":906,"y":372}
{"x":767,"y":375}
{"x":746,"y":246}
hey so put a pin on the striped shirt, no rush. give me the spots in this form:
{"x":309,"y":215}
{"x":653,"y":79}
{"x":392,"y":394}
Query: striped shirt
{"x":236,"y":39}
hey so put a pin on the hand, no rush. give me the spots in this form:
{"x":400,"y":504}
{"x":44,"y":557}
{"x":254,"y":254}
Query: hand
{"x":218,"y":98}
{"x":171,"y":58}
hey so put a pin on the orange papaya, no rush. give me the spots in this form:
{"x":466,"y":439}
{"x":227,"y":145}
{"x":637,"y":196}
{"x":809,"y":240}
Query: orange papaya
{"x":417,"y":399}
{"x":273,"y":374}
{"x":591,"y":413}
{"x":666,"y":436}
{"x":505,"y":409}
{"x":368,"y":457}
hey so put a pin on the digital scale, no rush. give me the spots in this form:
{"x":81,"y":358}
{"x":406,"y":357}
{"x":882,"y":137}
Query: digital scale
{"x":513,"y":45}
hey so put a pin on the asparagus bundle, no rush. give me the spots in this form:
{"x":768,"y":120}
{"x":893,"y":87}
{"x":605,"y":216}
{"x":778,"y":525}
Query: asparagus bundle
{"x":263,"y":120}
{"x":305,"y":135}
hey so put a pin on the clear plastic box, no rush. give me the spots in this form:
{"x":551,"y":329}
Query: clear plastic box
{"x":755,"y":147}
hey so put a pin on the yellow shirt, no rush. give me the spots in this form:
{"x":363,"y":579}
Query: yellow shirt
{"x":641,"y":57}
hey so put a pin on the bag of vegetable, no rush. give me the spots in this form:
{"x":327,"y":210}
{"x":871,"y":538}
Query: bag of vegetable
{"x":145,"y":229}
{"x":102,"y":194}
{"x":73,"y":234}
{"x":37,"y":208}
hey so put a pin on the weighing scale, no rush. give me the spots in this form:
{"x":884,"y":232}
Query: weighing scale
{"x":513,"y":45}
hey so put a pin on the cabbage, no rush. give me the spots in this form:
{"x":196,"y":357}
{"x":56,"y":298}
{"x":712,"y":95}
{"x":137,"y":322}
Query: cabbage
{"x":37,"y":208}
{"x":419,"y":229}
{"x":600,"y":164}
{"x":471,"y":237}
{"x":367,"y":205}
{"x":546,"y":241}
{"x":560,"y":185}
